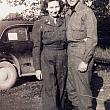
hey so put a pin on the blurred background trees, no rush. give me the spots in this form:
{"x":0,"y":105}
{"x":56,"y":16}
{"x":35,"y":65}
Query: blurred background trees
{"x":31,"y":10}
{"x":20,"y":9}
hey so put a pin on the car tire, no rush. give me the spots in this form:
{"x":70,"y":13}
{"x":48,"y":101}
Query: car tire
{"x":8,"y":75}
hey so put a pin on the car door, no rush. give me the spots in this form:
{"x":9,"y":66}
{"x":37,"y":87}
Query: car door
{"x":17,"y":38}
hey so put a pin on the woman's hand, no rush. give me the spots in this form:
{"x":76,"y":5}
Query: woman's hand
{"x":38,"y":74}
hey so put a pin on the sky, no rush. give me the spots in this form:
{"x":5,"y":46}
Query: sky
{"x":6,"y":8}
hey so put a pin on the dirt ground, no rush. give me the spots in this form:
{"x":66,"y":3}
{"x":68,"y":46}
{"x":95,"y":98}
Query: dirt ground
{"x":26,"y":93}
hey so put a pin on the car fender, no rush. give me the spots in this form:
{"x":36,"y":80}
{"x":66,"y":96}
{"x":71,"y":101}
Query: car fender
{"x":16,"y":63}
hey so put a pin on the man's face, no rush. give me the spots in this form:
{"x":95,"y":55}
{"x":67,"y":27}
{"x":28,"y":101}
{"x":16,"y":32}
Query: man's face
{"x":72,"y":2}
{"x":53,"y":8}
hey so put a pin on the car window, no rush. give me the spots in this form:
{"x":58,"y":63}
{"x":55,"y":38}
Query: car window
{"x":17,"y":34}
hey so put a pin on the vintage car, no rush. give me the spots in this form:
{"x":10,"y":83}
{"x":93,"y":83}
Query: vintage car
{"x":16,"y":49}
{"x":15,"y":52}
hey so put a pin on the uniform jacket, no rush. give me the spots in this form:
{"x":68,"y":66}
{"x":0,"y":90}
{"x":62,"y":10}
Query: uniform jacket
{"x":82,"y":28}
{"x":46,"y":33}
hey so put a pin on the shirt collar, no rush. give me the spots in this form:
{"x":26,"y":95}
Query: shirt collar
{"x":50,"y":21}
{"x":69,"y":12}
{"x":79,"y":7}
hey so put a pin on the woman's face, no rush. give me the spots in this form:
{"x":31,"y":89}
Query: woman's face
{"x":53,"y":8}
{"x":72,"y":2}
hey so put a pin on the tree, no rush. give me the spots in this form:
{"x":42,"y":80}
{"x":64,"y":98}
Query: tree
{"x":20,"y":9}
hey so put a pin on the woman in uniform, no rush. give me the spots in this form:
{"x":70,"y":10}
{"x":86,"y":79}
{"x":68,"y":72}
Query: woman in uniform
{"x":50,"y":55}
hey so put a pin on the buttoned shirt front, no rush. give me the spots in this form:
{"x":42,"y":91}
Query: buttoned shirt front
{"x":49,"y":35}
{"x":83,"y":26}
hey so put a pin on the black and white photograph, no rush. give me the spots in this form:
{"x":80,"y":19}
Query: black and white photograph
{"x":54,"y":54}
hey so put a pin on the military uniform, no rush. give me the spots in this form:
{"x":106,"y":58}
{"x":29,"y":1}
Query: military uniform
{"x":82,"y":39}
{"x":50,"y":56}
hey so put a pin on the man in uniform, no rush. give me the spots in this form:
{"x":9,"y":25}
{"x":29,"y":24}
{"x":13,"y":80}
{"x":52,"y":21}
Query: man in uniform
{"x":82,"y":40}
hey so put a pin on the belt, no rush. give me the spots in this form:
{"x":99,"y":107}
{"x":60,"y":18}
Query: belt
{"x":55,"y":47}
{"x":76,"y":41}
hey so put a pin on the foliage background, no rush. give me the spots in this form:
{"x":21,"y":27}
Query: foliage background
{"x":31,"y":10}
{"x":20,"y":9}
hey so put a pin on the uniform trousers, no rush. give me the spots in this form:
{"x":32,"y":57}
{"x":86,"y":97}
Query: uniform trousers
{"x":54,"y":69}
{"x":78,"y":84}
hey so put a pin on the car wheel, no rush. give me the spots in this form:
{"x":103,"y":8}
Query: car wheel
{"x":8,"y":75}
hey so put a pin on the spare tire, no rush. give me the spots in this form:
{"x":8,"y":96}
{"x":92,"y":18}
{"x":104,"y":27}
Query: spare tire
{"x":8,"y":75}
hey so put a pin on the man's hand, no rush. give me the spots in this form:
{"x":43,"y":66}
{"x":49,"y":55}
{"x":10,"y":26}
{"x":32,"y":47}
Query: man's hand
{"x":38,"y":74}
{"x":82,"y":67}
